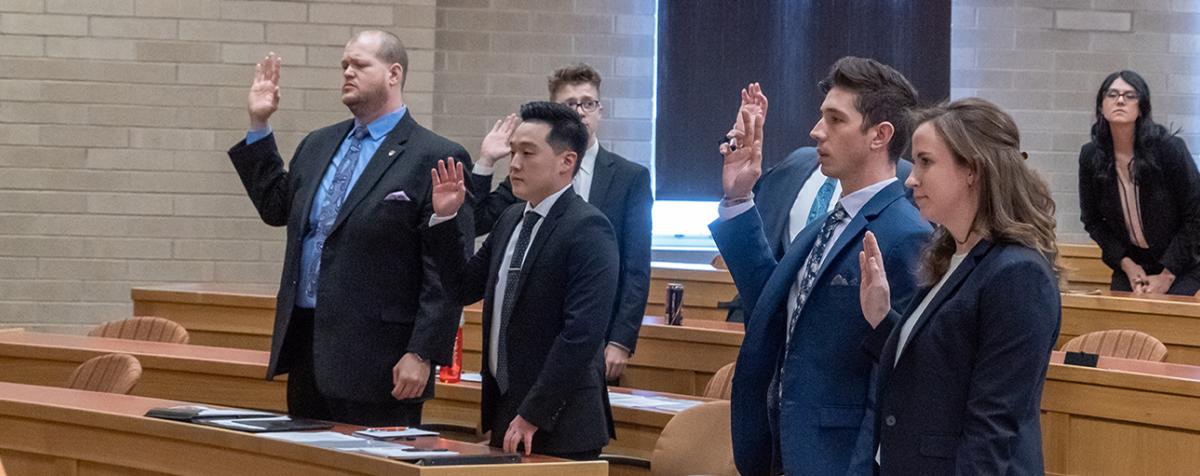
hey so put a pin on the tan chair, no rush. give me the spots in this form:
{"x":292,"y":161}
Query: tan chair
{"x":153,"y":329}
{"x":696,"y":441}
{"x":721,"y":384}
{"x":1125,"y":344}
{"x":719,"y":263}
{"x":111,"y":373}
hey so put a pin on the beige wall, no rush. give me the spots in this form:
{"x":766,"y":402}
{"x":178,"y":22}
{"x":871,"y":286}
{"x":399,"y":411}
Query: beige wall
{"x":115,"y":114}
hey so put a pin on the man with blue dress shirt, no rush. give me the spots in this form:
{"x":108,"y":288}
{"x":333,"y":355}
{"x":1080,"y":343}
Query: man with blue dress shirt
{"x":361,"y":316}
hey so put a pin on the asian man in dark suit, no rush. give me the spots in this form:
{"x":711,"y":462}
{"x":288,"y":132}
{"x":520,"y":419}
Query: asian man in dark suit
{"x":547,"y":275}
{"x":801,"y":386}
{"x":618,"y":187}
{"x":361,"y":316}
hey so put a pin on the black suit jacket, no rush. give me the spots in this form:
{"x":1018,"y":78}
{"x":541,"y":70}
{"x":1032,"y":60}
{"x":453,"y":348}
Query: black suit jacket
{"x":379,"y":296}
{"x":1170,"y":202}
{"x":621,"y":190}
{"x":556,"y":330}
{"x":965,"y":396}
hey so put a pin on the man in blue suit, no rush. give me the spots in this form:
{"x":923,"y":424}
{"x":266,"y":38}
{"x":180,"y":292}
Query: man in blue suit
{"x":793,"y":194}
{"x":800,"y":390}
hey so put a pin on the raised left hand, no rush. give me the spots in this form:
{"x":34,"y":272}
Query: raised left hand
{"x":519,"y":431}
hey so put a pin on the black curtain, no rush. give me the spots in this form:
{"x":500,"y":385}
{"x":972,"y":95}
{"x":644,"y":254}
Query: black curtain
{"x":708,"y":50}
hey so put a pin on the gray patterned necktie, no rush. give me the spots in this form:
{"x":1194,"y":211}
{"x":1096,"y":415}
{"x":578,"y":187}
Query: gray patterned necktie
{"x":333,"y":204}
{"x":510,"y":296}
{"x":813,"y":264}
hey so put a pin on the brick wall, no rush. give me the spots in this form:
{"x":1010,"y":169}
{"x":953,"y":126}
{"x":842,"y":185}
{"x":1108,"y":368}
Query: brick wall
{"x":115,"y":115}
{"x":1043,"y":60}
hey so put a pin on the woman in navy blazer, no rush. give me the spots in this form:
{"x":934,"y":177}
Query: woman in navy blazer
{"x":960,"y":373}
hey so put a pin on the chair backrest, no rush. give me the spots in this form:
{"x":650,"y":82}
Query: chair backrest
{"x":111,"y":373}
{"x":1126,"y":344}
{"x":154,"y":329}
{"x":721,"y":384}
{"x":696,"y":441}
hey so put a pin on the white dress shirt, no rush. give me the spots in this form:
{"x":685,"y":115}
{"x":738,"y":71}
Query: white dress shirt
{"x":502,"y":274}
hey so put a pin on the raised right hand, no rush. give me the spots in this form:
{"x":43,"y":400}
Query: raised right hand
{"x":743,"y":164}
{"x":874,"y":294}
{"x":495,"y":143}
{"x":264,"y":91}
{"x":449,"y":189}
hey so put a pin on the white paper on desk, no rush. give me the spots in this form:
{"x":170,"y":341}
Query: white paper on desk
{"x":308,"y":436}
{"x":678,"y":405}
{"x":403,"y":454}
{"x":206,"y":412}
{"x":388,"y":433}
{"x":634,"y":401}
{"x":471,"y":377}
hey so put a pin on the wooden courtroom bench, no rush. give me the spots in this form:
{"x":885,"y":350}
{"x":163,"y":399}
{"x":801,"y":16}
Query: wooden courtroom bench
{"x":1085,"y":270}
{"x":62,"y":431}
{"x":1175,"y":320}
{"x":1124,"y":417}
{"x":235,"y":377}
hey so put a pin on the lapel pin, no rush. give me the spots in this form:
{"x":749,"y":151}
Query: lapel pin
{"x":391,"y":153}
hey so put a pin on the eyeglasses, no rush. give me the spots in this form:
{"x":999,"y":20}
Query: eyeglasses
{"x":588,"y":106}
{"x":1130,"y":96}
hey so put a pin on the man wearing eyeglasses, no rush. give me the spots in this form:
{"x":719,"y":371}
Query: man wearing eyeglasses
{"x":616,"y":186}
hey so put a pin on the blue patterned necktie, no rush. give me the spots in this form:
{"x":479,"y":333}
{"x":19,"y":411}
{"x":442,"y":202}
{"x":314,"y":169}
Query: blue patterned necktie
{"x":820,"y":205}
{"x":813,"y":264}
{"x":334,"y":196}
{"x":510,"y":297}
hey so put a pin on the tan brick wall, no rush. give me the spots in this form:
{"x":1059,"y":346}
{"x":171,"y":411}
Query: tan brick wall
{"x":115,"y":115}
{"x":1043,"y":60}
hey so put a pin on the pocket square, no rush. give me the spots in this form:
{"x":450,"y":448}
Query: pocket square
{"x":839,"y":280}
{"x":398,"y":196}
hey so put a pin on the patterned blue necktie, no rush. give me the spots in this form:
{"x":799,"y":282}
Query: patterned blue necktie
{"x":510,"y":297}
{"x":813,"y":264}
{"x":820,"y":205}
{"x":334,"y":196}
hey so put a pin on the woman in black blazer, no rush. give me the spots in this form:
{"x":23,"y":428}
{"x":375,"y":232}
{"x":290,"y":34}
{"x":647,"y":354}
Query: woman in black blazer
{"x":1139,"y":193}
{"x":960,"y":373}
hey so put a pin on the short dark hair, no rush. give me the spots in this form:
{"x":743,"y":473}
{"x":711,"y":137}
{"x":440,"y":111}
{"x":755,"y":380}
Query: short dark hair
{"x":883,"y":95}
{"x":573,"y":74}
{"x":391,"y":51}
{"x":567,"y":131}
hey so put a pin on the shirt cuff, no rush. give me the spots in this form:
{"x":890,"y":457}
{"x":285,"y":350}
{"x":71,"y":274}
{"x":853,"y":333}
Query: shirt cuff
{"x":435,"y":220}
{"x":728,"y":212}
{"x":480,"y":169}
{"x":256,"y":135}
{"x":619,"y":346}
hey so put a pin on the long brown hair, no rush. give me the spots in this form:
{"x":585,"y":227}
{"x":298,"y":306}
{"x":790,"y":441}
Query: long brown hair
{"x":1015,"y":205}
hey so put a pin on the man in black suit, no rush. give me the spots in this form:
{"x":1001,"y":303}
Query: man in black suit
{"x":618,"y":187}
{"x":361,"y":316}
{"x":547,"y":275}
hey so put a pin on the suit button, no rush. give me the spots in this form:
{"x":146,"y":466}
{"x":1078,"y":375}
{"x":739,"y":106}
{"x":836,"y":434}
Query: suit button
{"x":890,"y":420}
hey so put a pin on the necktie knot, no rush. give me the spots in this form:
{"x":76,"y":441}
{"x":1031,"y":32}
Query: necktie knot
{"x":839,"y":213}
{"x":531,"y":218}
{"x":359,"y":133}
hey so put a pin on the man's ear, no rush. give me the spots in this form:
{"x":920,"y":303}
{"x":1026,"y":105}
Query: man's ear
{"x":567,"y":162}
{"x":396,"y":74}
{"x":883,"y":135}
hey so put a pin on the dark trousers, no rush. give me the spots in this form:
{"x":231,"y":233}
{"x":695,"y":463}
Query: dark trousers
{"x":304,"y":397}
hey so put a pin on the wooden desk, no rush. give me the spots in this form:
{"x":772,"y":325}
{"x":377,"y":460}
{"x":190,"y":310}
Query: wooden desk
{"x":676,"y":359}
{"x":234,"y":377}
{"x":1125,"y":417}
{"x":61,"y":431}
{"x":703,"y":287}
{"x":240,"y":316}
{"x":1175,"y":320}
{"x":1085,"y":270}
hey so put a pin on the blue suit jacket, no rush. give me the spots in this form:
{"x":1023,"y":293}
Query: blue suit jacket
{"x":776,"y":191}
{"x":813,"y":429}
{"x":965,"y":396}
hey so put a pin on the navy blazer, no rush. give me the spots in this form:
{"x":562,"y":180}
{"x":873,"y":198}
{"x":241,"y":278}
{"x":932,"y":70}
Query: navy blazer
{"x":556,"y":329}
{"x":775,"y":192}
{"x":965,"y":396}
{"x":379,"y":296}
{"x":825,"y":379}
{"x":621,"y":190}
